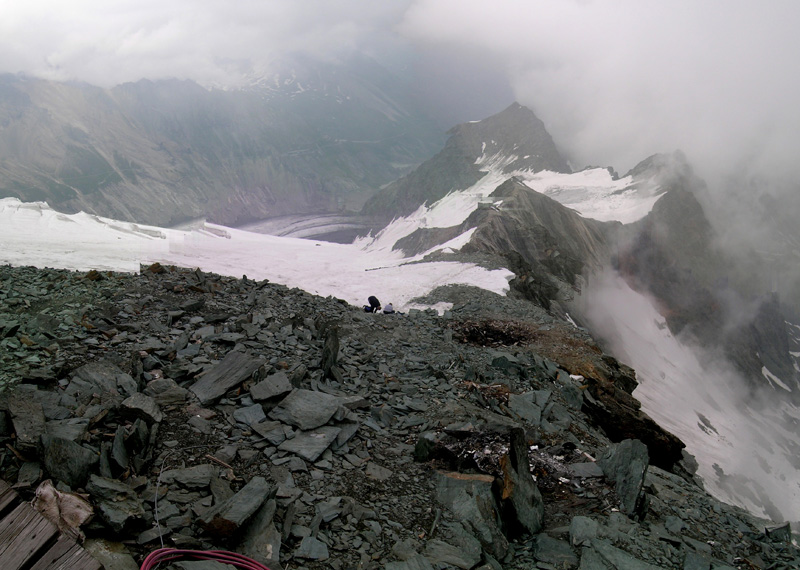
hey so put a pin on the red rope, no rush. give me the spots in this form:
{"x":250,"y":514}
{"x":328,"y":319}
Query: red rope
{"x":232,"y":558}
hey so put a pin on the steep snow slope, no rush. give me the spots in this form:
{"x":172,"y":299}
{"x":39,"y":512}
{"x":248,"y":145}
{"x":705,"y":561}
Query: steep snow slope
{"x":745,"y":442}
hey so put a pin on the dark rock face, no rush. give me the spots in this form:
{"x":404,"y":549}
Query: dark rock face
{"x":458,"y":441}
{"x":626,"y":465}
{"x":520,"y":495}
{"x":68,"y":461}
{"x":722,"y":303}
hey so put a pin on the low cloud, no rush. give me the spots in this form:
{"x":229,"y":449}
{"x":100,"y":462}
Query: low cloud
{"x":110,"y":42}
{"x":615,"y":81}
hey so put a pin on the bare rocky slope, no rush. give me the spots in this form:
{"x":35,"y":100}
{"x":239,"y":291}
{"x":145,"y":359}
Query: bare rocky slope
{"x":317,"y":138}
{"x":213,"y":412}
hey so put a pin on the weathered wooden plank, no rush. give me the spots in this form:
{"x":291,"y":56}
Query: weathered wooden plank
{"x":27,"y":533}
{"x":229,"y":372}
{"x":66,"y":554}
{"x":8,"y":497}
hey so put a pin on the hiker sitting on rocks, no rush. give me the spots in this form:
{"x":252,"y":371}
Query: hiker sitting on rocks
{"x":388,"y":309}
{"x":374,"y":305}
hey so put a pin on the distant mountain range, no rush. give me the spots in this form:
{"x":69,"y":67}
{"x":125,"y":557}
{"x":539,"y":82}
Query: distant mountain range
{"x":312,"y":138}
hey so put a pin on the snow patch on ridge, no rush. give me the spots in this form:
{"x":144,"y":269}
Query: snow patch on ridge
{"x":772,"y":379}
{"x":594,"y":193}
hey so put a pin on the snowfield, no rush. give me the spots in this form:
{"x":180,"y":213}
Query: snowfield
{"x":34,"y":234}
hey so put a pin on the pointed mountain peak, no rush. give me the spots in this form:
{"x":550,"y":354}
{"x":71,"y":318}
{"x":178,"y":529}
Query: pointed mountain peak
{"x":511,"y":141}
{"x":514,"y":138}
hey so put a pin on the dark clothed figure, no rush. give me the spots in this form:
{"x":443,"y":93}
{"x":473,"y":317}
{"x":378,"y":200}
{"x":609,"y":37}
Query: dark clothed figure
{"x":374,"y":304}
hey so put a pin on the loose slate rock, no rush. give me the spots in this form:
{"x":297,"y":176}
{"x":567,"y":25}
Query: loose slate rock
{"x":67,"y":461}
{"x":625,"y":464}
{"x":312,"y":548}
{"x":306,"y":409}
{"x":231,"y":371}
{"x":118,"y":504}
{"x":273,"y":386}
{"x":471,"y":500}
{"x":523,"y":508}
{"x":375,"y":471}
{"x":524,"y":406}
{"x":142,"y":407}
{"x":261,"y":540}
{"x":29,"y":422}
{"x":225,"y":520}
{"x":196,"y":477}
{"x":73,"y":429}
{"x":250,"y":415}
{"x":311,"y":444}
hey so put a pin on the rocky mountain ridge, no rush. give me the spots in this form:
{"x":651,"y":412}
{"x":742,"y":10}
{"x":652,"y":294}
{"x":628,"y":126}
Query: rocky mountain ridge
{"x":168,"y":151}
{"x":515,"y":137}
{"x":721,"y":299}
{"x":211,"y":411}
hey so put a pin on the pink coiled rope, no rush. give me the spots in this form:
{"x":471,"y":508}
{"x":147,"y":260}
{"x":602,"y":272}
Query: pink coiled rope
{"x":232,"y":558}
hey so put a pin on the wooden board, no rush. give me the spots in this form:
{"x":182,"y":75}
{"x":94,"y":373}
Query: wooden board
{"x":28,"y":540}
{"x":24,"y":534}
{"x":65,"y":554}
{"x":8,"y":497}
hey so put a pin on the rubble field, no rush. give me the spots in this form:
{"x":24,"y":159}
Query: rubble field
{"x":198,"y":411}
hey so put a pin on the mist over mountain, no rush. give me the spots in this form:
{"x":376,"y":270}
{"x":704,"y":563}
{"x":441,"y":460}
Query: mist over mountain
{"x":311,"y":138}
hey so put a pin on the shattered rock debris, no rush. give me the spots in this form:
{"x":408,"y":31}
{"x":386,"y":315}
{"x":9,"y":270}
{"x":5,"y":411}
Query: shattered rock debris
{"x":197,"y":411}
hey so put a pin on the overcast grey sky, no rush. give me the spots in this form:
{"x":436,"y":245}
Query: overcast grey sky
{"x":614,"y":80}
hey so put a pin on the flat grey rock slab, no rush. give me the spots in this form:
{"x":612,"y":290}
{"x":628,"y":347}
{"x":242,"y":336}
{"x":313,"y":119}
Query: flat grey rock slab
{"x":625,"y":464}
{"x":311,"y":444}
{"x":118,"y":504}
{"x":228,"y":373}
{"x":306,"y":409}
{"x":196,"y":477}
{"x":555,"y":552}
{"x":273,"y":386}
{"x":416,"y":562}
{"x":261,"y":539}
{"x":582,"y":530}
{"x":616,"y":558}
{"x":375,"y":471}
{"x":250,"y":415}
{"x":28,"y":419}
{"x":524,"y":406}
{"x":586,"y":470}
{"x":101,"y":376}
{"x":166,"y":392}
{"x":312,"y":549}
{"x":471,"y":499}
{"x":73,"y":429}
{"x":440,"y":552}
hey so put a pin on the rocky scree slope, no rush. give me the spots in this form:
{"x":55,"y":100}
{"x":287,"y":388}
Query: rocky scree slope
{"x":213,"y":412}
